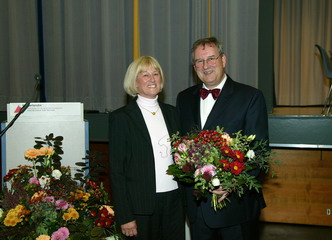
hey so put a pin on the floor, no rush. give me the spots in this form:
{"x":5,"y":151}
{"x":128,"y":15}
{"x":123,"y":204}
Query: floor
{"x":277,"y":231}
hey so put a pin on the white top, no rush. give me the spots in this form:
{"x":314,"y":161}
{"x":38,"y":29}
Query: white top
{"x":159,"y":138}
{"x":207,"y":104}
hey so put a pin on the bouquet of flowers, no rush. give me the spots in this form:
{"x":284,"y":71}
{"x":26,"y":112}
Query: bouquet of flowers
{"x":212,"y":158}
{"x":43,"y":201}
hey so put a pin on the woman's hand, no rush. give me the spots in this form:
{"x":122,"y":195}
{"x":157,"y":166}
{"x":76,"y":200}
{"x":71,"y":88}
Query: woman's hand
{"x":129,"y":229}
{"x":221,"y":192}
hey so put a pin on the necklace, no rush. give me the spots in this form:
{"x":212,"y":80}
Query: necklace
{"x":153,"y":113}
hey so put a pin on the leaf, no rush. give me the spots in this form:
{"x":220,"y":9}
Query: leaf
{"x":81,"y":164}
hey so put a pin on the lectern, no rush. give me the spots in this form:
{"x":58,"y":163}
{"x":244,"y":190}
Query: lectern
{"x":39,"y":120}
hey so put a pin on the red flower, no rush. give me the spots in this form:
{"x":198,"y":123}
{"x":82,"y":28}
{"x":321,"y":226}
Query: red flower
{"x":227,"y":151}
{"x":107,"y":222}
{"x":224,"y":163}
{"x":93,"y":213}
{"x":188,"y":167}
{"x":238,"y":155}
{"x":92,"y":184}
{"x":207,"y":176}
{"x":99,"y":223}
{"x":237,"y":167}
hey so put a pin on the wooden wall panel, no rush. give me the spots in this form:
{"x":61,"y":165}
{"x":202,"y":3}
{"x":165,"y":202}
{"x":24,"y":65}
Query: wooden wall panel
{"x":302,"y":191}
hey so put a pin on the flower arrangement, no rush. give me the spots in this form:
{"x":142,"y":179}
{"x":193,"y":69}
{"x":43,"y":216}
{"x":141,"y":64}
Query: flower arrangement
{"x":43,"y":201}
{"x":212,"y":158}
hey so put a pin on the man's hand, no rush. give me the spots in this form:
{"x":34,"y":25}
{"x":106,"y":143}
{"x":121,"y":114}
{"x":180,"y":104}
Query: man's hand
{"x":129,"y":229}
{"x":221,"y":192}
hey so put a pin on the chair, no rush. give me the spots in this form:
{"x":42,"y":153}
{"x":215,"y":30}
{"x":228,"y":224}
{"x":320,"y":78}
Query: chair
{"x":327,"y":70}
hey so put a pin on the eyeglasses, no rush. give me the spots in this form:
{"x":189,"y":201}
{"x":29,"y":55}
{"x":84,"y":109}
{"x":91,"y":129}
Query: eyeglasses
{"x":210,"y":61}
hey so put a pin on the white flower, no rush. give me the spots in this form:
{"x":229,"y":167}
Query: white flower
{"x":44,"y":181}
{"x":111,"y":238}
{"x":250,"y":154}
{"x":1,"y":213}
{"x":56,"y":174}
{"x":215,"y":182}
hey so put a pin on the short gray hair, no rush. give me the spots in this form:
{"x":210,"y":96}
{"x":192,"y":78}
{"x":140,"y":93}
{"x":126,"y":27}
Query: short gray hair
{"x":203,"y":42}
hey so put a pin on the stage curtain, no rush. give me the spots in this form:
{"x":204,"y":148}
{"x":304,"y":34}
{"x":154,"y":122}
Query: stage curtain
{"x":88,"y":46}
{"x":299,"y":25}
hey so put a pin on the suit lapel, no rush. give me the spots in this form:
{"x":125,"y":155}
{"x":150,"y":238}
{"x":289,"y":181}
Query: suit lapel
{"x":136,"y":116}
{"x":196,"y":107}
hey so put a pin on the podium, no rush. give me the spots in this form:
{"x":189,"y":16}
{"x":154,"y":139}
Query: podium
{"x":39,"y":120}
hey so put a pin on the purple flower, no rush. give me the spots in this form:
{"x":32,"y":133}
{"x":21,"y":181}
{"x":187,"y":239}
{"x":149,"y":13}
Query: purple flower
{"x":61,"y":204}
{"x":60,"y":234}
{"x":33,"y":180}
{"x":49,"y":199}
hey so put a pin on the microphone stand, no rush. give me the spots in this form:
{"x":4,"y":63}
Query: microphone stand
{"x":25,"y":106}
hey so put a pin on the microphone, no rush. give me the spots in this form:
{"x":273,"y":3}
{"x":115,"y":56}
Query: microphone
{"x":37,"y":87}
{"x":25,"y":106}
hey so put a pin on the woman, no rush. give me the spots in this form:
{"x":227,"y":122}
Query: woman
{"x":147,"y":201}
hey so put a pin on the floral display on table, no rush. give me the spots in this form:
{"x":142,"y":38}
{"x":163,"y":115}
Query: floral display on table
{"x":43,"y":201}
{"x":210,"y":158}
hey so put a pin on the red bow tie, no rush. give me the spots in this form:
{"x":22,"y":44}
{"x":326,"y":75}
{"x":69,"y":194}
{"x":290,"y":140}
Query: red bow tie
{"x":205,"y":92}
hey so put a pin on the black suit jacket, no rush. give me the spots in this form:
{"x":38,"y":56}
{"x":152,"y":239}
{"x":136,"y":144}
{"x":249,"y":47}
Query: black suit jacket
{"x":132,"y":167}
{"x":238,"y":107}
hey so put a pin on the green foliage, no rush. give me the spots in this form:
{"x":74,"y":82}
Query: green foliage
{"x":91,"y":169}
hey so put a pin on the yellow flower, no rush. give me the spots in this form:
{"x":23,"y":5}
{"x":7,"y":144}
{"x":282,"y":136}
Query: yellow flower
{"x":66,"y":216}
{"x":79,"y":194}
{"x":71,"y":214}
{"x":14,"y":216}
{"x":10,"y":222}
{"x":86,"y":196}
{"x":19,"y":208}
{"x":43,"y":237}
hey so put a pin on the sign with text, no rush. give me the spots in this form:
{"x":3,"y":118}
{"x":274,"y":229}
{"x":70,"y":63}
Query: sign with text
{"x":39,"y":120}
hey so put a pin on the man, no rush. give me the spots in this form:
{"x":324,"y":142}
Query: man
{"x":236,"y":107}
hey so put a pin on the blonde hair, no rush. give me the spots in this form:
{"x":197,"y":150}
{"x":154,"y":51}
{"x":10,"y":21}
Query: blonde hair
{"x":141,"y":64}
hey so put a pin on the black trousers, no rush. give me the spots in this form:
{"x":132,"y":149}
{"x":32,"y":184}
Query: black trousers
{"x":166,"y":223}
{"x":244,"y":231}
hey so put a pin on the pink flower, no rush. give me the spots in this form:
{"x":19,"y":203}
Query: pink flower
{"x":49,"y":199}
{"x":60,"y":234}
{"x":182,"y":147}
{"x":61,"y":204}
{"x":177,"y":158}
{"x":33,"y":180}
{"x":209,"y":169}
